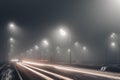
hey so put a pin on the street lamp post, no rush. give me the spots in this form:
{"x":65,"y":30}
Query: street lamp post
{"x":45,"y":44}
{"x":12,"y":29}
{"x":115,"y":43}
{"x":63,"y":33}
{"x":70,"y":57}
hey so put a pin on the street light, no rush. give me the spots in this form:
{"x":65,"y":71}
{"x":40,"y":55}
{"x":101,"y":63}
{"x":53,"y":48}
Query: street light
{"x":62,"y":32}
{"x":12,"y":25}
{"x":76,"y":44}
{"x":69,"y":50}
{"x":113,"y":44}
{"x":11,"y":39}
{"x":112,"y":35}
{"x":84,"y":48}
{"x":36,"y":47}
{"x":70,"y":57}
{"x":11,"y":47}
{"x":13,"y":29}
{"x":45,"y":42}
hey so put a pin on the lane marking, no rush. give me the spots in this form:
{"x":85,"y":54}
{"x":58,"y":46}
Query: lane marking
{"x":78,"y":70}
{"x":57,"y":75}
{"x":39,"y":74}
{"x":18,"y":73}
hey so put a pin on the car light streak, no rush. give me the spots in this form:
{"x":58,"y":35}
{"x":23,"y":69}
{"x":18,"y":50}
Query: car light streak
{"x":78,"y":70}
{"x":42,"y":75}
{"x":86,"y":72}
{"x":34,"y":63}
{"x":59,"y":76}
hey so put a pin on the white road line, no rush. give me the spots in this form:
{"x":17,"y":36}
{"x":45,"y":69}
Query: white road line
{"x":40,"y":74}
{"x":18,"y":73}
{"x":78,"y":70}
{"x":57,"y":75}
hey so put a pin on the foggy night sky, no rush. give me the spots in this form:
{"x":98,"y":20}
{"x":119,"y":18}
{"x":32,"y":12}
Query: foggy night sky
{"x":90,"y":21}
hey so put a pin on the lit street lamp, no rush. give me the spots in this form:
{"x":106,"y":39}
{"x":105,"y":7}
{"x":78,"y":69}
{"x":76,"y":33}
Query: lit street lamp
{"x":13,"y":31}
{"x":12,"y":28}
{"x":84,"y":48}
{"x":62,"y":32}
{"x":70,"y":57}
{"x":12,"y":25}
{"x":112,"y":35}
{"x":113,"y":44}
{"x":11,"y":40}
{"x":45,"y":42}
{"x":36,"y":47}
{"x":76,"y":44}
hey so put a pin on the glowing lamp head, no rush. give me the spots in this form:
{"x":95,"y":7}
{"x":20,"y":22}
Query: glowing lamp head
{"x":11,"y":40}
{"x":45,"y":42}
{"x":69,"y":50}
{"x":84,"y":48}
{"x":113,"y":44}
{"x":36,"y":47}
{"x":12,"y":25}
{"x":62,"y":32}
{"x":112,"y":35}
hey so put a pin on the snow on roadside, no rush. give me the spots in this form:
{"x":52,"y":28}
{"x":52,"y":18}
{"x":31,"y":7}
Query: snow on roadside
{"x":8,"y":75}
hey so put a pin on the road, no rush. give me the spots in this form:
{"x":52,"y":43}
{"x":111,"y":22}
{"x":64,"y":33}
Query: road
{"x":42,"y":71}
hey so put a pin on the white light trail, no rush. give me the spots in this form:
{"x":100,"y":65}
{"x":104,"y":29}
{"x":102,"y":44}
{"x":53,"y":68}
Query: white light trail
{"x":59,"y":76}
{"x":39,"y":74}
{"x":14,"y":60}
{"x":34,"y":63}
{"x":78,"y":70}
{"x":96,"y":73}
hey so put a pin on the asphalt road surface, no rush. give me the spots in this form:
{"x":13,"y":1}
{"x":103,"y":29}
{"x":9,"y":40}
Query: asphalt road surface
{"x":42,"y":71}
{"x":33,"y":71}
